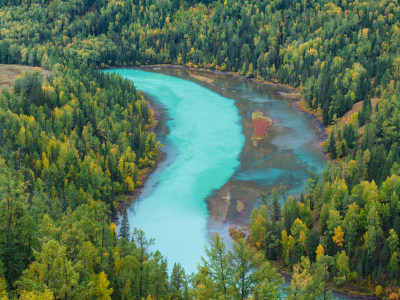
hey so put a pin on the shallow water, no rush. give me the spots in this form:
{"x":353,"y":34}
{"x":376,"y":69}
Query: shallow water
{"x":213,"y":172}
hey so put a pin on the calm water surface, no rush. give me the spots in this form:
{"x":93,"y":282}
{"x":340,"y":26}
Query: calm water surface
{"x":213,"y":172}
{"x":203,"y":146}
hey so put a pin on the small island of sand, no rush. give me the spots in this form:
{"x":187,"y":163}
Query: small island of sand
{"x":261,"y":124}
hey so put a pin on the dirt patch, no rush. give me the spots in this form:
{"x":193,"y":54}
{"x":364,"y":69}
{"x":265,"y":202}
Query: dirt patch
{"x":9,"y":73}
{"x":355,"y":109}
{"x":291,"y":95}
{"x":202,"y":78}
{"x":219,"y":209}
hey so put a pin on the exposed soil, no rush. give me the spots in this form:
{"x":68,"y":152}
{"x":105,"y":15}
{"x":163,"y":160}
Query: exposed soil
{"x":9,"y":73}
{"x":202,"y":78}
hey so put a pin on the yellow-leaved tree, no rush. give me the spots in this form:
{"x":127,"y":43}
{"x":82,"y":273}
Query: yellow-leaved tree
{"x":3,"y":289}
{"x":320,"y":251}
{"x":338,"y":236}
{"x":36,"y":295}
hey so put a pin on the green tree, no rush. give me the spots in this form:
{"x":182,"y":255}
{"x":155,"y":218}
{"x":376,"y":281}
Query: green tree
{"x":124,"y":231}
{"x":178,"y":283}
{"x":342,"y":265}
{"x":51,"y":269}
{"x":142,"y":244}
{"x":332,"y":146}
{"x":158,"y":276}
{"x":246,"y":264}
{"x":302,"y":275}
{"x":100,"y":285}
{"x":216,"y":266}
{"x":318,"y":286}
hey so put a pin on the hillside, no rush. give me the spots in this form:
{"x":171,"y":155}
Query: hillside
{"x":74,"y":142}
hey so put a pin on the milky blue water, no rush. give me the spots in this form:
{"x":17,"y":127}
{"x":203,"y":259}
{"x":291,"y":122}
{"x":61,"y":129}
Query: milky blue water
{"x":203,"y":146}
{"x":206,"y":132}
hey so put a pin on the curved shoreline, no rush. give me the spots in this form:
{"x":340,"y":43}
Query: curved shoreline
{"x":130,"y":198}
{"x":288,"y":93}
{"x":322,"y":136}
{"x":285,"y":91}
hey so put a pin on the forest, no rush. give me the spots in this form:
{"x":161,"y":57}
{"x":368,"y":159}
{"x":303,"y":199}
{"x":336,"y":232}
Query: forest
{"x":74,"y":143}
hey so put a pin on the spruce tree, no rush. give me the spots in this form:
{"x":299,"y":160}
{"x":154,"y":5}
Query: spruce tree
{"x":276,"y":210}
{"x":124,"y":231}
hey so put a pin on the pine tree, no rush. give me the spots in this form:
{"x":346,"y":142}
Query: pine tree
{"x":276,"y":209}
{"x":159,"y":276}
{"x":243,"y":261}
{"x":243,"y":71}
{"x":178,"y":282}
{"x":142,"y":244}
{"x":216,"y":265}
{"x":124,"y":231}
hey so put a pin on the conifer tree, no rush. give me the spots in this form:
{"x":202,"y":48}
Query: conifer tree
{"x":124,"y":231}
{"x":142,"y":244}
{"x":216,"y":265}
{"x":178,"y":282}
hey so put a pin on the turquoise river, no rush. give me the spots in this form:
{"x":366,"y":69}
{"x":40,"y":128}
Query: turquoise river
{"x":212,"y":172}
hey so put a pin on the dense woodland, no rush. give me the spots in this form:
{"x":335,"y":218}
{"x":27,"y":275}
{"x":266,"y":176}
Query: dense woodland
{"x":74,"y":143}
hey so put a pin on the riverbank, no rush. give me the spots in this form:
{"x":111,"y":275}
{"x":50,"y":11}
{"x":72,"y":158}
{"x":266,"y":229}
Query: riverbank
{"x":287,"y":90}
{"x":155,"y":119}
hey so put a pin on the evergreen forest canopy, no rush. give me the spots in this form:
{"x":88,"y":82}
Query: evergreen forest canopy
{"x":74,"y":143}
